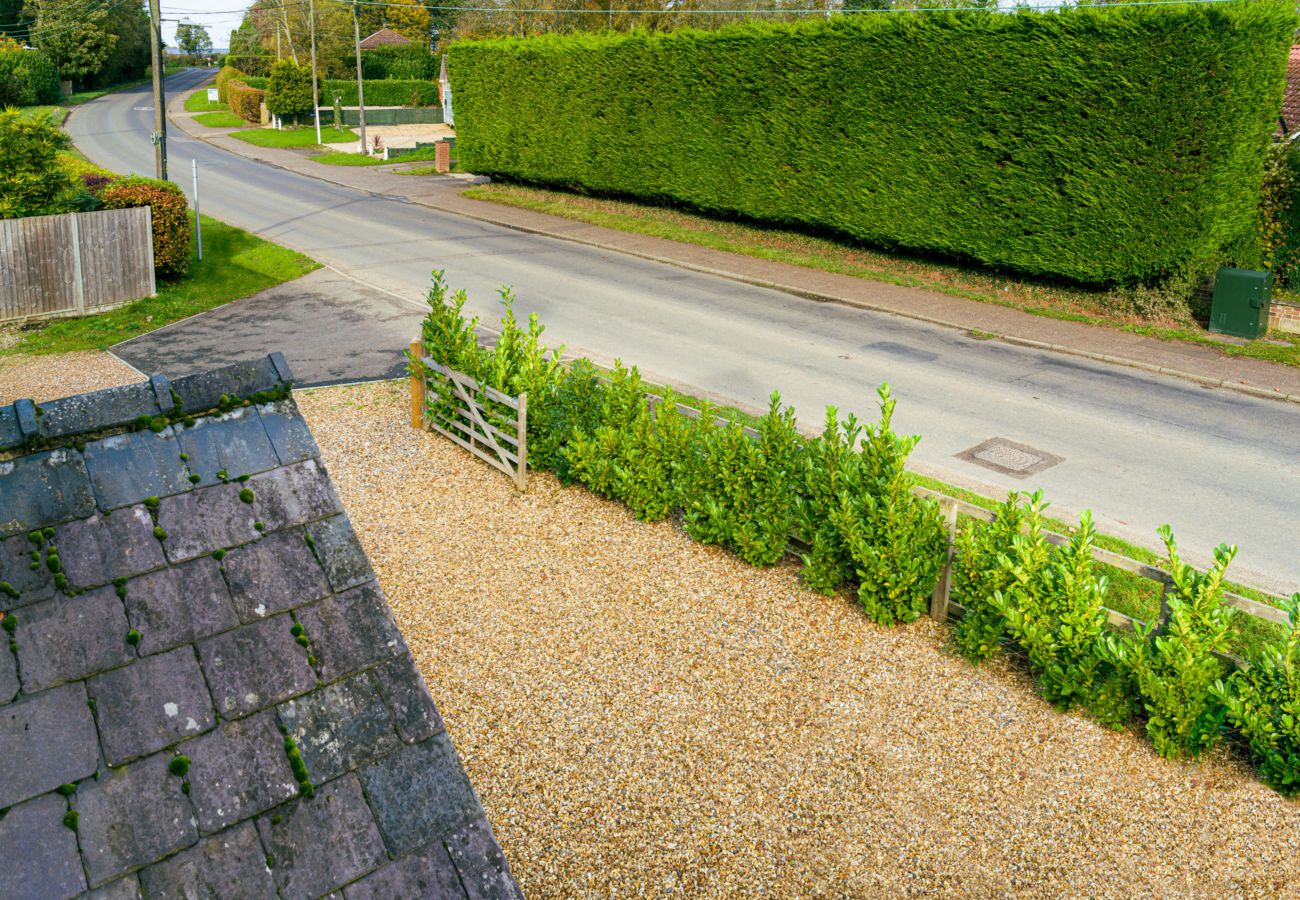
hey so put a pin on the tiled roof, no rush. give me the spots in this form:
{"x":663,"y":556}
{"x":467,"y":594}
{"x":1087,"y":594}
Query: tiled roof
{"x":384,"y":37}
{"x":1291,"y":99}
{"x":204,"y":693}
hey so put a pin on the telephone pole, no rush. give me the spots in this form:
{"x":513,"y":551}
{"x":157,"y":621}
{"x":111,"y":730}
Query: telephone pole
{"x":361,"y":91}
{"x":159,"y":101}
{"x":315,"y":95}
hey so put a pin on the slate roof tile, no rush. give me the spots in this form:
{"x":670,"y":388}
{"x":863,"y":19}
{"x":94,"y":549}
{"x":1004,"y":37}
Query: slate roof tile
{"x":176,"y":666}
{"x":65,"y":639}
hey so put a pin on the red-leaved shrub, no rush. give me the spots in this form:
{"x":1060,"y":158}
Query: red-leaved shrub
{"x":171,"y":226}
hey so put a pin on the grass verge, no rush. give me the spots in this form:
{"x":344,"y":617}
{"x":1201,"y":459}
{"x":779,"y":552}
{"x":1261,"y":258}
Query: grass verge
{"x":336,"y":158}
{"x":1093,"y":307}
{"x":57,"y":112}
{"x":294,"y":137}
{"x":198,"y":102}
{"x":235,"y":264}
{"x":223,"y":118}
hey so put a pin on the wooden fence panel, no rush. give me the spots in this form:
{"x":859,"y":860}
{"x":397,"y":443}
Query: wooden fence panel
{"x":74,"y":264}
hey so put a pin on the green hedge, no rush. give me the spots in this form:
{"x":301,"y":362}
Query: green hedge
{"x":27,"y":78}
{"x":407,"y":61}
{"x":386,"y":92}
{"x":1102,"y":145}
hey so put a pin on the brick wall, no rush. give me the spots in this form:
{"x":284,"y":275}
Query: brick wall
{"x":1284,"y":317}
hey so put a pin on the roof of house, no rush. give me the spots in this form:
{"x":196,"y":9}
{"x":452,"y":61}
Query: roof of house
{"x":1291,"y":99}
{"x":384,"y":37}
{"x":204,"y":692}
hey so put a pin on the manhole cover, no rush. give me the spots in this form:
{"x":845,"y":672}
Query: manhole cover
{"x":1009,"y":457}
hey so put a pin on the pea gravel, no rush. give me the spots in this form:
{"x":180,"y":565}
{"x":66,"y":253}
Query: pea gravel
{"x":53,"y":375}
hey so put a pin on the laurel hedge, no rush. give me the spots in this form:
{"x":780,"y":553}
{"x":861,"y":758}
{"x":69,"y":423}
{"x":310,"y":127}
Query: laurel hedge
{"x":1101,"y":145}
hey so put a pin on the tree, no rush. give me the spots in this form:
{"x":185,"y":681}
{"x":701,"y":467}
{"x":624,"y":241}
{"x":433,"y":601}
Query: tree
{"x":77,"y":37}
{"x":130,"y":56}
{"x":193,"y":39}
{"x":288,"y":93}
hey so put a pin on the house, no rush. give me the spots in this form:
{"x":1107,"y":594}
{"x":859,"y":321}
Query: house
{"x":384,"y":37}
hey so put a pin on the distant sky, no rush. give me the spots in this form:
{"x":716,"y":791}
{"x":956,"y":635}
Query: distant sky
{"x":215,"y":15}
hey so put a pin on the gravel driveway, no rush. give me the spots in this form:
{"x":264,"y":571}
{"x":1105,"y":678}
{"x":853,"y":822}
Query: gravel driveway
{"x":643,"y":715}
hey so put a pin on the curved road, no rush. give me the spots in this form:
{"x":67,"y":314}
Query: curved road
{"x":1138,"y":449}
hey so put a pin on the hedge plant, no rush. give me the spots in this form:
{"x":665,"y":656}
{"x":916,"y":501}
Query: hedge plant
{"x":245,"y":101}
{"x":288,"y":90}
{"x":171,"y":224}
{"x":225,"y":75}
{"x":1101,"y":145}
{"x":380,"y":92}
{"x":33,"y":181}
{"x":27,"y":78}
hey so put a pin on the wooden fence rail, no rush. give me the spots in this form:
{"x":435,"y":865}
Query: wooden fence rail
{"x":75,"y":264}
{"x":499,"y":439}
{"x":942,"y":606}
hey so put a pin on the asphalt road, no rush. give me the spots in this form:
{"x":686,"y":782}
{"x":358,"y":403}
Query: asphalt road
{"x":1138,"y":449}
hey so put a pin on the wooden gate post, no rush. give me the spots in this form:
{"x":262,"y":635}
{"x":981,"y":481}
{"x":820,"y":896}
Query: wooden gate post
{"x":521,"y":433}
{"x":943,"y":588}
{"x":417,"y":384}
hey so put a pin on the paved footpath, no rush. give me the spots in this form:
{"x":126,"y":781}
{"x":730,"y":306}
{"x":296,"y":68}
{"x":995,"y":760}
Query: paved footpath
{"x":1204,"y":365}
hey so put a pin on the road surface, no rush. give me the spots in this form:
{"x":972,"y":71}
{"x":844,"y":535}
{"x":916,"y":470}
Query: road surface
{"x":1138,"y":449}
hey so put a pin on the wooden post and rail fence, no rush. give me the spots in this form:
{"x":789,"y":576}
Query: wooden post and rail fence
{"x":470,"y":429}
{"x":75,"y":264}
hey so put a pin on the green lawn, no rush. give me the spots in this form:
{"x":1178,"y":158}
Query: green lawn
{"x":420,"y":170}
{"x":198,"y":102}
{"x":1093,"y":307}
{"x":31,"y":112}
{"x":294,"y":137}
{"x":235,"y":264}
{"x":220,"y":119}
{"x":335,"y":158}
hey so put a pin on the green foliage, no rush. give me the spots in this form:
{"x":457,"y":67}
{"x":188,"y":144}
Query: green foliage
{"x":894,"y":538}
{"x":389,"y":92}
{"x":79,"y":39}
{"x":1174,"y":666}
{"x":27,"y":78}
{"x":32,"y":180}
{"x":179,"y":765}
{"x":519,"y":362}
{"x":572,"y":408}
{"x":288,"y":90}
{"x":193,"y":39}
{"x":409,"y":62}
{"x":977,"y":575}
{"x":245,"y":101}
{"x":225,"y":75}
{"x":171,"y":223}
{"x":1131,"y":148}
{"x":594,"y":455}
{"x":740,"y":492}
{"x":1263,"y":703}
{"x":825,"y":471}
{"x":1053,"y":607}
{"x":1279,"y":214}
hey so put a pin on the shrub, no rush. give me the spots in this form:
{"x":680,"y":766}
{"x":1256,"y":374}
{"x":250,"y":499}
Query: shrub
{"x":33,"y":181}
{"x":245,"y":101}
{"x":518,"y":363}
{"x":978,"y":574}
{"x":594,"y":455}
{"x":288,"y":90}
{"x":1054,"y":609}
{"x":1279,"y":214}
{"x":171,"y":225}
{"x":409,"y":62}
{"x":1130,"y":149}
{"x":1174,"y":667}
{"x":389,"y":92}
{"x":739,"y":492}
{"x":27,"y":78}
{"x":1263,"y":703}
{"x":895,"y":538}
{"x":825,"y":464}
{"x":571,"y":409}
{"x":225,"y":75}
{"x":253,"y":66}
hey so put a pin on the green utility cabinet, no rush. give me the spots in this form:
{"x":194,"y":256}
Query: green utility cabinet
{"x":1241,"y":299}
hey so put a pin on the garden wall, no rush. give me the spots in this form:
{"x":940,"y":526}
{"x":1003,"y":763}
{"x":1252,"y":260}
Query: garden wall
{"x":1099,"y":145}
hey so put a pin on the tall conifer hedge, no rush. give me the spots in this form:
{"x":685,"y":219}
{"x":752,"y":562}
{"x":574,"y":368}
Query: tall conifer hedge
{"x":1100,"y":145}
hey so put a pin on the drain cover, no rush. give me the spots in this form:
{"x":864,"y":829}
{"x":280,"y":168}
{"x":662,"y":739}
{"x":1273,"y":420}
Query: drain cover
{"x":1009,"y":457}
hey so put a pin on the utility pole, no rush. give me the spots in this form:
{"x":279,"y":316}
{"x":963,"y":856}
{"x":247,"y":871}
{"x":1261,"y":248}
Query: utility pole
{"x":361,"y":91}
{"x":315,"y":95}
{"x":159,"y":101}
